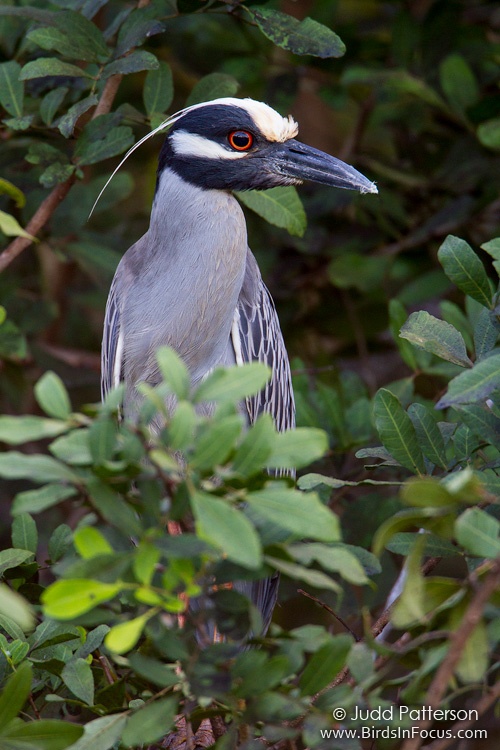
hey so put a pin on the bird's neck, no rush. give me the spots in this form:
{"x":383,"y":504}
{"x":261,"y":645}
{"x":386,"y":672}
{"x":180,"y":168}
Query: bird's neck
{"x":197,"y":246}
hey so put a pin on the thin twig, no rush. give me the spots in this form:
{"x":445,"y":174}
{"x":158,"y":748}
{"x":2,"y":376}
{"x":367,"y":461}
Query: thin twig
{"x":458,"y":641}
{"x":330,"y":611}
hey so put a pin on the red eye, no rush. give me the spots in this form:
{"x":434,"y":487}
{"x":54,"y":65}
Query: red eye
{"x":240,"y":140}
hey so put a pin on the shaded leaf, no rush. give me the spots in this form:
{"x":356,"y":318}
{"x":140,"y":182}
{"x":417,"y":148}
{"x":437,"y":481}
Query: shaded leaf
{"x":232,"y":384}
{"x":15,"y":694}
{"x":77,"y":676}
{"x":16,"y":608}
{"x":305,"y":37}
{"x":24,"y":533}
{"x":436,"y":336}
{"x":212,"y":86}
{"x":297,"y":448}
{"x":463,"y":267}
{"x":458,"y":82}
{"x":158,"y":91}
{"x":11,"y":88}
{"x":52,"y":396}
{"x":137,"y":60}
{"x":150,"y":722}
{"x":51,"y":66}
{"x":428,"y":435}
{"x":473,"y":385}
{"x":67,"y":123}
{"x":396,"y":431}
{"x":488,"y":133}
{"x":102,"y":733}
{"x":325,"y":664}
{"x":11,"y":558}
{"x":43,"y":734}
{"x":478,"y":532}
{"x":37,"y":468}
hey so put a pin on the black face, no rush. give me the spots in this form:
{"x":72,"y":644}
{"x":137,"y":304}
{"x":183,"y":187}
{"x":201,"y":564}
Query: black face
{"x":233,"y":129}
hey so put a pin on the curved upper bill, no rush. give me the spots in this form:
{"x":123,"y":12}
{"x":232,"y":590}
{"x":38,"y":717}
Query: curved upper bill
{"x":295,"y":159}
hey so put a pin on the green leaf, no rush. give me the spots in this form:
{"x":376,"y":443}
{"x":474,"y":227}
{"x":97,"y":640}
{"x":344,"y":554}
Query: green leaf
{"x":182,"y":426}
{"x":17,"y":195}
{"x":145,"y":561}
{"x":141,"y":24}
{"x":212,"y":86}
{"x":298,"y":512}
{"x":337,"y":559}
{"x":11,"y":558}
{"x":473,"y":385}
{"x":458,"y":82}
{"x":16,"y":608}
{"x":15,"y":694}
{"x":253,"y":453}
{"x":77,"y":676}
{"x":59,"y":542}
{"x":410,"y":607}
{"x":230,"y":385}
{"x":397,"y":318}
{"x":67,"y":123}
{"x":137,"y":60}
{"x":216,"y":443}
{"x":299,"y":573}
{"x":174,"y":371}
{"x":24,"y":533}
{"x":113,"y":508}
{"x":102,"y":438}
{"x":160,"y":674}
{"x":89,"y":542}
{"x":102,"y":733}
{"x":396,"y":431}
{"x":73,"y":448}
{"x":37,"y":468}
{"x":52,"y":396}
{"x":463,"y":268}
{"x":73,"y":36}
{"x":403,"y":542}
{"x":426,"y":492}
{"x":478,"y":532}
{"x":475,"y":658}
{"x":436,"y":336}
{"x":123,"y":637}
{"x":488,"y":133}
{"x":296,"y":448}
{"x":280,"y":206}
{"x":91,"y":150}
{"x":43,"y":734}
{"x":66,"y":599}
{"x":11,"y":88}
{"x":51,"y":103}
{"x":325,"y":664}
{"x":158,"y":91}
{"x":51,"y":66}
{"x":428,"y":435}
{"x":483,"y":423}
{"x":11,"y":227}
{"x":305,"y":37}
{"x":227,"y":529}
{"x":17,"y":430}
{"x":485,"y":333}
{"x":150,"y":722}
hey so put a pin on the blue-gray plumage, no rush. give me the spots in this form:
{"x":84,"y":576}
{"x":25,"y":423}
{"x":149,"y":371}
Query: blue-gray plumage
{"x":191,"y":281}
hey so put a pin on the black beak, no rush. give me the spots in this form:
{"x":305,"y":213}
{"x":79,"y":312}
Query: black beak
{"x":301,"y":162}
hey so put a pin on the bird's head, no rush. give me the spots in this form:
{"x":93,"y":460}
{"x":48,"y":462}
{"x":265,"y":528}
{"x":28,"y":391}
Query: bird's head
{"x":242,"y":144}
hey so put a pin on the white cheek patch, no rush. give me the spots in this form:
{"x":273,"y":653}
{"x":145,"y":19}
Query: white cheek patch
{"x":191,"y":144}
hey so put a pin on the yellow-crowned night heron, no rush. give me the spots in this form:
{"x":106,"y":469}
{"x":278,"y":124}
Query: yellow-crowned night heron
{"x":191,"y":281}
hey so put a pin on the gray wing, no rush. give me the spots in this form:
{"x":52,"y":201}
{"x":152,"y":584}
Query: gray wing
{"x":260,"y":339}
{"x":112,"y":346}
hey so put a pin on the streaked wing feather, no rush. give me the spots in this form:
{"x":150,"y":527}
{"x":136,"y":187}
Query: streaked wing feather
{"x":261,"y":340}
{"x":111,"y":365}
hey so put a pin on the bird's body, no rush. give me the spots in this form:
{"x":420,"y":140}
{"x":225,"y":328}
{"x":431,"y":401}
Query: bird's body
{"x":191,"y":281}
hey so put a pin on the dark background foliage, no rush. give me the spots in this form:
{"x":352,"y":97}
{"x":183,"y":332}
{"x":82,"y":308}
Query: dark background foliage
{"x":413,"y":103}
